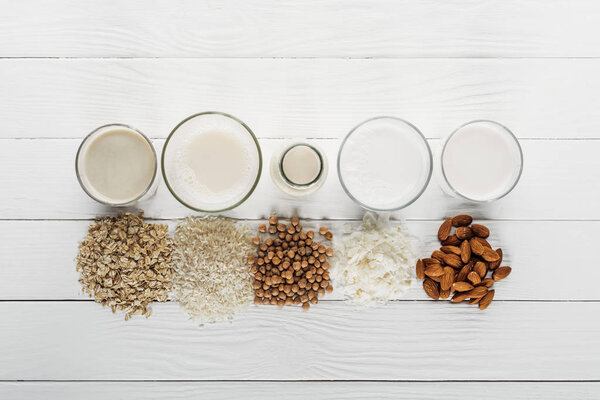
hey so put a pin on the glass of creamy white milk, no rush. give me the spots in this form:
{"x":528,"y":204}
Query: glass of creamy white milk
{"x":480,"y":161}
{"x":116,"y":165}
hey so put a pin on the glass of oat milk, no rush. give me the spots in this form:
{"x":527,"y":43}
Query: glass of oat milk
{"x":116,"y":165}
{"x":211,"y":162}
{"x":480,"y":161}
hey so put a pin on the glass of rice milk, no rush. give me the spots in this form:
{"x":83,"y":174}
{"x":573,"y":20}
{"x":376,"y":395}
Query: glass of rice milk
{"x":116,"y":165}
{"x":480,"y":161}
{"x":211,"y":162}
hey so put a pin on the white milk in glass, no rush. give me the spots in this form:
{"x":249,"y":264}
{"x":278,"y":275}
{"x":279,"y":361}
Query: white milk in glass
{"x":481,"y":161}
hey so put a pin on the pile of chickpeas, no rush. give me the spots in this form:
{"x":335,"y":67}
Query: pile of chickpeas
{"x":290,"y":267}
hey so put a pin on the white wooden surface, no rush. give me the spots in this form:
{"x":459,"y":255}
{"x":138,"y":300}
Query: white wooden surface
{"x":297,"y":70}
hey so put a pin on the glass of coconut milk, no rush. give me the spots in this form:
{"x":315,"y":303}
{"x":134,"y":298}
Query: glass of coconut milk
{"x":116,"y":165}
{"x":480,"y":161}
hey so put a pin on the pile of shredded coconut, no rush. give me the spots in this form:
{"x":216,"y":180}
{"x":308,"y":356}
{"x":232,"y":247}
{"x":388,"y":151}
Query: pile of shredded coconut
{"x":375,"y":263}
{"x":212,"y":279}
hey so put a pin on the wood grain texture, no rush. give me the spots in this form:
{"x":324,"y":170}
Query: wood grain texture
{"x":545,"y":98}
{"x":540,"y":271}
{"x":39,"y":182}
{"x":298,"y":390}
{"x":332,"y":341}
{"x":357,"y":28}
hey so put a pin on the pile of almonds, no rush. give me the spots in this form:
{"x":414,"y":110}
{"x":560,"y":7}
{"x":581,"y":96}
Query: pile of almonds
{"x":462,"y":264}
{"x":290,"y":267}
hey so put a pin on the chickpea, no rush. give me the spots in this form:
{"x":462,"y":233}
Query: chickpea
{"x":322,"y":230}
{"x":262,"y":228}
{"x":295,"y":221}
{"x":272,"y":229}
{"x":305,"y":306}
{"x":256,"y":285}
{"x":310,"y":234}
{"x":322,"y":249}
{"x":321,"y":292}
{"x":273,"y":220}
{"x":314,"y":300}
{"x":273,"y":301}
{"x":256,"y":240}
{"x":329,"y":252}
{"x":329,"y":289}
{"x":315,"y":286}
{"x":257,"y":300}
{"x":281,"y":227}
{"x":324,"y":283}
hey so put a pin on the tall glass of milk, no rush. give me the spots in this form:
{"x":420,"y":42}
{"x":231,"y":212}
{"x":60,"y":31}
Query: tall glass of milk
{"x":480,"y":161}
{"x":116,"y":165}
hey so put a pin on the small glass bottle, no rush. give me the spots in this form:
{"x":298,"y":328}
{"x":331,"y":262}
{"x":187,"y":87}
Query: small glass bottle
{"x":299,"y":170}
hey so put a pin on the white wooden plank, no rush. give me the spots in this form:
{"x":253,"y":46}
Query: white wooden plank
{"x":558,"y":183}
{"x":37,"y":259}
{"x":333,"y":341}
{"x":300,"y":98}
{"x":298,"y":390}
{"x":381,"y":28}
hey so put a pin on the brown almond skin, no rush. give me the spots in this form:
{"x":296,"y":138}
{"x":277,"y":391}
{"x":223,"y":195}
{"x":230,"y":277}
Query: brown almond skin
{"x":431,"y":288}
{"x":487,"y":282}
{"x":476,"y":246}
{"x":490,"y":255}
{"x":420,"y":269}
{"x":465,"y":251}
{"x":480,"y":268}
{"x":438,"y":255}
{"x":450,"y":250}
{"x":462,"y":220}
{"x":479,"y":291}
{"x":480,"y":230}
{"x":501,"y":273}
{"x":444,"y":294}
{"x":464,"y":232}
{"x":431,"y":261}
{"x":445,"y":229}
{"x":453,"y":260}
{"x":458,"y":297}
{"x":462,"y":274}
{"x":451,"y":241}
{"x":434,"y":270}
{"x":474,"y":300}
{"x":447,"y":279}
{"x":462,"y":287}
{"x":474,"y":277}
{"x":496,"y":264}
{"x":486,"y":300}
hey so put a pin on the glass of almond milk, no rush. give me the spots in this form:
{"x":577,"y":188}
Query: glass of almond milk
{"x":211,"y":162}
{"x":116,"y":165}
{"x":480,"y":161}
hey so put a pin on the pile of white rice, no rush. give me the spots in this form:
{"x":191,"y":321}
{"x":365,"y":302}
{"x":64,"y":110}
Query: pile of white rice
{"x":212,"y":279}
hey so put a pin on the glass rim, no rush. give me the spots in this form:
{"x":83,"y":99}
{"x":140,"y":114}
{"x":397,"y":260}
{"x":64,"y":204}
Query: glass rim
{"x":425,"y":182}
{"x":258,"y":149}
{"x":510,"y":134}
{"x":78,"y":172}
{"x":301,"y":185}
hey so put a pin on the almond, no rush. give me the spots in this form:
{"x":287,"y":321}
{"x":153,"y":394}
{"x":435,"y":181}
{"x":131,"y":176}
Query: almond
{"x":444,"y":294}
{"x":438,"y":255}
{"x":486,"y":300}
{"x":447,"y":279}
{"x":474,"y":277}
{"x":464,"y":271}
{"x":451,"y":241}
{"x":490,"y":255}
{"x":474,"y":300}
{"x":431,"y":288}
{"x":480,"y":230}
{"x":431,"y":261}
{"x":465,"y":251}
{"x":487,"y":282}
{"x":479,"y":291}
{"x":462,"y":287}
{"x":444,"y":230}
{"x":453,"y":260}
{"x":450,"y":250}
{"x":501,"y":273}
{"x":462,"y":220}
{"x":434,"y":270}
{"x":476,"y":246}
{"x":496,"y":264}
{"x":420,"y":270}
{"x":480,"y":268}
{"x":437,"y":279}
{"x":464,"y":232}
{"x":458,"y":297}
{"x":484,"y":242}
